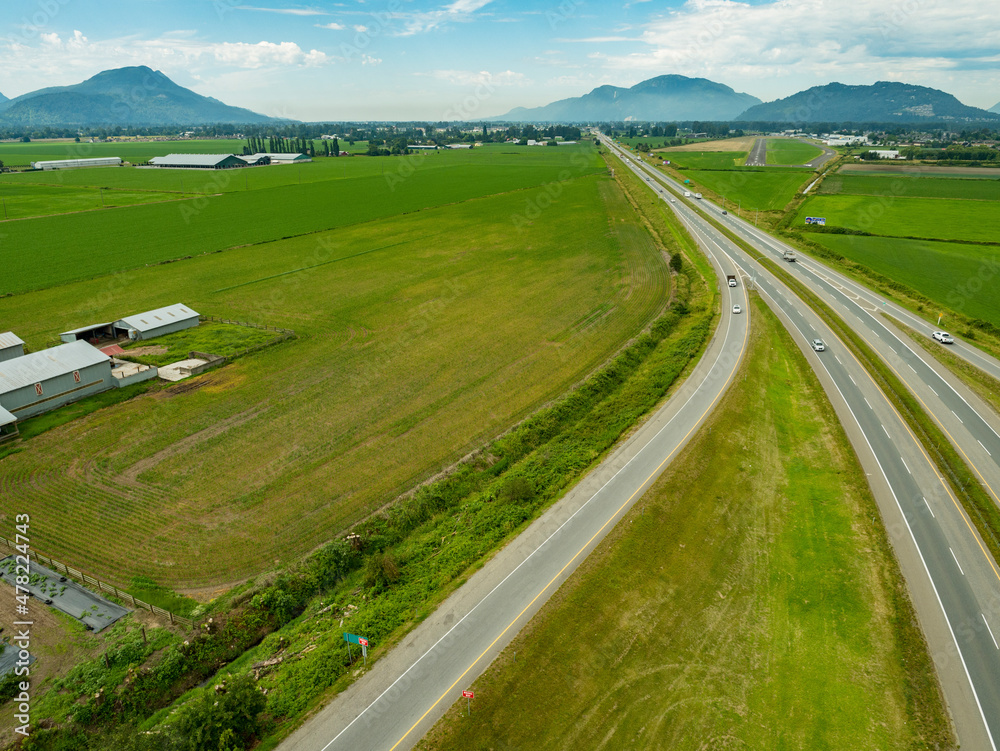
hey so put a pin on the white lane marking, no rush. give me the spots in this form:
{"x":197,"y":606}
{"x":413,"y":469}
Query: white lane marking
{"x":929,"y":508}
{"x":837,"y":359}
{"x":957,"y":417}
{"x":904,"y":462}
{"x":911,"y":367}
{"x":933,"y":391}
{"x":886,"y":433}
{"x":956,"y":562}
{"x":984,"y":448}
{"x":852,"y":379}
{"x":990,"y":630}
{"x":868,"y":403}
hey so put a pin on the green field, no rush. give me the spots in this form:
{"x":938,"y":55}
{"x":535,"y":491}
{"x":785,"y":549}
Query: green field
{"x":744,"y":603}
{"x":256,"y":463}
{"x":705,"y":159}
{"x":754,"y":189}
{"x":35,"y":255}
{"x":911,"y":187}
{"x":20,"y":202}
{"x":962,"y":277}
{"x":786,"y":151}
{"x":902,"y":216}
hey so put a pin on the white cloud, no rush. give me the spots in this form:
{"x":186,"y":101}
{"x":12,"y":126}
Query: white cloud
{"x":331,"y":26}
{"x":420,"y":22}
{"x":470,"y":78}
{"x":285,"y":11}
{"x":778,"y":44}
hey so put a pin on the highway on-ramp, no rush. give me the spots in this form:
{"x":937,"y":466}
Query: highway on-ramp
{"x":953,"y":581}
{"x":407,"y":690}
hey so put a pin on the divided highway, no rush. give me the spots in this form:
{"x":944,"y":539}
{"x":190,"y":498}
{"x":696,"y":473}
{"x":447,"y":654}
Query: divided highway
{"x":954,"y":582}
{"x":411,"y":687}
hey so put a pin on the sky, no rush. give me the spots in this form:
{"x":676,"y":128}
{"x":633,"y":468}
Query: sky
{"x":469,"y":59}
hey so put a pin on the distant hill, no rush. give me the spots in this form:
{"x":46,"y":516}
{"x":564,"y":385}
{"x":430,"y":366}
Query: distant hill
{"x":123,"y":96}
{"x":662,"y":98}
{"x":3,"y":99}
{"x":883,"y":102}
{"x":995,"y":108}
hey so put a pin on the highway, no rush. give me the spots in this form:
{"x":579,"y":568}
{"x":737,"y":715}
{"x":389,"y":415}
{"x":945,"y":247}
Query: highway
{"x":408,"y":689}
{"x":953,"y":581}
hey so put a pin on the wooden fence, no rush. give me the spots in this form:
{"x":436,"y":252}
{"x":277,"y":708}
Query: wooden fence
{"x":282,"y":334}
{"x":103,"y":586}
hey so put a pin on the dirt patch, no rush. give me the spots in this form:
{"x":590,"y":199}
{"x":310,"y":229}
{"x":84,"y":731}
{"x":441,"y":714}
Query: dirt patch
{"x":151,"y":349}
{"x":728,"y":144}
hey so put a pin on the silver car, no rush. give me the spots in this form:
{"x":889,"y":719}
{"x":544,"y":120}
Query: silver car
{"x":817,"y":344}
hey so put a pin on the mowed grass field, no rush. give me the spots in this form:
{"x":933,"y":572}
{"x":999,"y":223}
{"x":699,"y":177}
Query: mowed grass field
{"x":903,"y":216}
{"x":911,"y":187}
{"x":35,"y":254}
{"x":753,"y":189}
{"x":17,"y":154}
{"x":790,"y":151}
{"x":748,"y":601}
{"x":41,"y":200}
{"x":421,"y":335}
{"x":704,"y":159}
{"x":959,"y":276}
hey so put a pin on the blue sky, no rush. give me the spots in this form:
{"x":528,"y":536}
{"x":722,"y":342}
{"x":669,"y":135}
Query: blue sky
{"x":465,"y":59}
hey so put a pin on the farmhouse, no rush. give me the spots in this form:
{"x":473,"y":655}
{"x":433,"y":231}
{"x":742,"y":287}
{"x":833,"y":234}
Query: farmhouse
{"x":279,"y":158}
{"x":198,"y":161}
{"x":108,"y":161}
{"x":11,"y":346}
{"x":53,"y":377}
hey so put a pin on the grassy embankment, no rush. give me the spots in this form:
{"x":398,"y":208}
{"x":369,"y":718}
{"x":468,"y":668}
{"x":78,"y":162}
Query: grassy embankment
{"x":747,"y":601}
{"x":415,"y":552}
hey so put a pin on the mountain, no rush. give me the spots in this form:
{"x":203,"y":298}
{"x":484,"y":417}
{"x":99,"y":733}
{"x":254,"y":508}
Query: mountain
{"x":995,"y":108}
{"x":123,"y":96}
{"x":3,"y":99}
{"x":881,"y":102}
{"x":662,"y":98}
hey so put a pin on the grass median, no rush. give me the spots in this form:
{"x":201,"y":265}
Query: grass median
{"x":747,"y":601}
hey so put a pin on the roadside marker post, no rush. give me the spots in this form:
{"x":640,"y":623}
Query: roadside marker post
{"x":469,"y":696}
{"x":361,"y":641}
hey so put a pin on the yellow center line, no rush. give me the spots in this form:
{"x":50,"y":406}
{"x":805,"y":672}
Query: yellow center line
{"x":670,"y":456}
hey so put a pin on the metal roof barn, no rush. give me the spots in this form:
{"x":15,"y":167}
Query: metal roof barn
{"x":104,"y":161}
{"x":158,"y":322}
{"x":6,"y":418}
{"x":198,"y":161}
{"x":53,"y":377}
{"x":94,"y":331}
{"x":11,"y":346}
{"x":280,"y":158}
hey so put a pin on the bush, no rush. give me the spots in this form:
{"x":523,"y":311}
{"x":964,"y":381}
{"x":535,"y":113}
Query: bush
{"x":229,"y":712}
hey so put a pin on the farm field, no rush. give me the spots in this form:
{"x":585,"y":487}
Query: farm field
{"x":749,"y":603}
{"x":958,"y":276}
{"x":910,"y":186}
{"x":790,"y":151}
{"x":742,"y":143}
{"x":903,"y":216}
{"x":35,"y":255}
{"x":722,"y":160}
{"x":767,"y":190}
{"x":212,"y":480}
{"x":42,"y":200}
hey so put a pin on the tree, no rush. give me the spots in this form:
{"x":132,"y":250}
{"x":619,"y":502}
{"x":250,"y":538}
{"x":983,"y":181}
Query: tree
{"x":676,"y":262}
{"x":234,"y":705}
{"x":336,"y":147}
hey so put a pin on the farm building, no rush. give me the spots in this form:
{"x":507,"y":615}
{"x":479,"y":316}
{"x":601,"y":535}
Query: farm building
{"x":198,"y":161}
{"x":106,"y":161}
{"x":11,"y":346}
{"x":44,"y":380}
{"x":158,"y":322}
{"x":8,"y":425}
{"x":90,"y":333}
{"x":280,"y":158}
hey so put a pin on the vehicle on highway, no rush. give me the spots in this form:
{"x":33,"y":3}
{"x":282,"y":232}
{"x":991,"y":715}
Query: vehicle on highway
{"x":687,"y":193}
{"x":737,"y":309}
{"x":697,"y":195}
{"x":944,"y":337}
{"x":673,"y":200}
{"x":788,"y":255}
{"x":817,"y":344}
{"x":724,"y":212}
{"x":731,"y":279}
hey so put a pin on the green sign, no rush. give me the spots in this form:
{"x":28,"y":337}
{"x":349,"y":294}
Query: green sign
{"x":354,"y":639}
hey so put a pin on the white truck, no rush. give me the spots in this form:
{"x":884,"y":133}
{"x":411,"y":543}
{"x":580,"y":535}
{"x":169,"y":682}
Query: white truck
{"x":697,"y":195}
{"x":731,"y":279}
{"x":788,"y":255}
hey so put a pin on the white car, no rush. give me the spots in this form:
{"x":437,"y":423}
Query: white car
{"x":817,"y":344}
{"x":944,"y":337}
{"x":737,"y":309}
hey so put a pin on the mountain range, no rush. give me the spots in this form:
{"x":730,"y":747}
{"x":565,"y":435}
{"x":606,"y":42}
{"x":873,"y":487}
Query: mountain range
{"x":995,"y":108}
{"x":881,"y":102}
{"x":3,"y":99}
{"x":662,"y":98}
{"x":123,"y":96}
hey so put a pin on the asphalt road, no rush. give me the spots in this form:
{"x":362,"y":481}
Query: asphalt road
{"x":407,"y":690}
{"x":758,"y":154}
{"x":953,"y":581}
{"x":823,"y":158}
